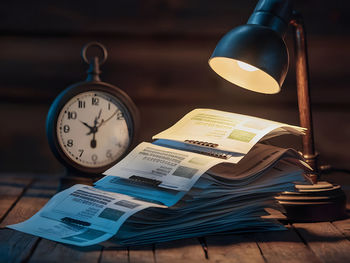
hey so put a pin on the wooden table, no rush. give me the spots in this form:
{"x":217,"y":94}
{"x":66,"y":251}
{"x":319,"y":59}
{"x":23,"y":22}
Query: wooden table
{"x":23,"y":195}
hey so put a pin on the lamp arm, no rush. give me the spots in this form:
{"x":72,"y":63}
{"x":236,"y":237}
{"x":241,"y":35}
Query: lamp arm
{"x":303,"y":90}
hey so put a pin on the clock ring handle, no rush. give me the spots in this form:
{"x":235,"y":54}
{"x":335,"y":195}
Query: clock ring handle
{"x":99,"y":46}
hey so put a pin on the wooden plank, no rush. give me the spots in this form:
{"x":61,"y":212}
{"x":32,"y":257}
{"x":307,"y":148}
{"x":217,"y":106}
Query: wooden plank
{"x":185,"y":250}
{"x":152,"y":17}
{"x":343,"y":226}
{"x":142,"y":254}
{"x":115,"y":255}
{"x":166,"y":69}
{"x":233,"y":248}
{"x":136,"y":17}
{"x":50,"y":251}
{"x":325,"y":240}
{"x":16,"y":246}
{"x":31,"y":202}
{"x":11,"y":189}
{"x":284,"y":246}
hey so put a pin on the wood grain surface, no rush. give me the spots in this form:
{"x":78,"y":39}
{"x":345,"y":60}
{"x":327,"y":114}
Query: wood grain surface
{"x":300,"y":242}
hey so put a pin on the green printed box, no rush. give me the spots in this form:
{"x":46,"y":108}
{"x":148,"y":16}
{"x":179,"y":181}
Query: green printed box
{"x":198,"y":161}
{"x":242,"y":136}
{"x":185,"y":172}
{"x":111,"y":214}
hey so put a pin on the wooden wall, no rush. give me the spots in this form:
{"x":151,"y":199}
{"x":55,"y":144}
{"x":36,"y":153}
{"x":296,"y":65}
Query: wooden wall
{"x":158,"y":52}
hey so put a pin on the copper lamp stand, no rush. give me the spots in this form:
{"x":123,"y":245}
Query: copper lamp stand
{"x":321,"y":201}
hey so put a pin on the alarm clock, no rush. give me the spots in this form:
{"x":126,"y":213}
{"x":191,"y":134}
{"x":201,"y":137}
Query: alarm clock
{"x":91,"y":125}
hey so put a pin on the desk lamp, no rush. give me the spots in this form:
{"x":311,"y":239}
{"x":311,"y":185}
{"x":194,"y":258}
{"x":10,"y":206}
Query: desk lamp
{"x":254,"y":56}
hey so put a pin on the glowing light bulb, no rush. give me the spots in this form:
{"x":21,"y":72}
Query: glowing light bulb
{"x":246,"y":66}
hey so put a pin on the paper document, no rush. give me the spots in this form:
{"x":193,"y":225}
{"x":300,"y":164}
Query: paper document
{"x":88,"y":206}
{"x":82,"y":216}
{"x":224,"y":130}
{"x":156,"y":173}
{"x":61,"y":232}
{"x":162,"y":167}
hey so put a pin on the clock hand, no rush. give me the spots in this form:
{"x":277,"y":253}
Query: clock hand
{"x":94,"y":129}
{"x":87,"y":125}
{"x":97,"y":118}
{"x":93,"y":141}
{"x":104,"y":121}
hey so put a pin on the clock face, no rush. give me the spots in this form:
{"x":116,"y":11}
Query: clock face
{"x":92,"y":129}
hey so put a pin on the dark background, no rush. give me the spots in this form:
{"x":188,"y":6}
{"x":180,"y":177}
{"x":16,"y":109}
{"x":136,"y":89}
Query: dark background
{"x":158,"y":53}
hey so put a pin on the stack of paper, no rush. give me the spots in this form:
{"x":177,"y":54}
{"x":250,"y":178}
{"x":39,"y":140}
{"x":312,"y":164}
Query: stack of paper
{"x":217,"y":202}
{"x":206,"y":174}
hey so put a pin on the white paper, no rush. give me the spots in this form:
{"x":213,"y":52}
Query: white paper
{"x":230,"y":131}
{"x":225,"y":156}
{"x":148,"y":193}
{"x":157,"y":173}
{"x":168,"y":168}
{"x":61,"y":232}
{"x":99,"y":209}
{"x":82,"y":216}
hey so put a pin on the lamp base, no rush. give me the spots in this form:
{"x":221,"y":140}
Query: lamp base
{"x":319,"y":202}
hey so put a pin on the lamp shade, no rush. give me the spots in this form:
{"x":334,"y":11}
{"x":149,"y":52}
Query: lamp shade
{"x":253,"y":57}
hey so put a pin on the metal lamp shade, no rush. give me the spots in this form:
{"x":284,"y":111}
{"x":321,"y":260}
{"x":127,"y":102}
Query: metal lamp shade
{"x":253,"y":57}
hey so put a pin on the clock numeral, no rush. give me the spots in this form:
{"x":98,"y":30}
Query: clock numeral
{"x":109,"y":154}
{"x":72,"y":115}
{"x":81,"y":152}
{"x":70,"y":143}
{"x":94,"y":157}
{"x":66,"y":128}
{"x":120,"y":115}
{"x":81,"y":104}
{"x":109,"y":106}
{"x":95,"y":101}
